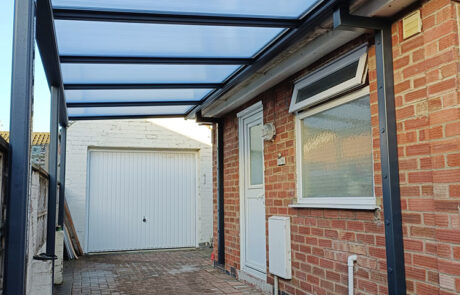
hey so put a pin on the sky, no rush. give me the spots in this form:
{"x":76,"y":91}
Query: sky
{"x":41,"y":91}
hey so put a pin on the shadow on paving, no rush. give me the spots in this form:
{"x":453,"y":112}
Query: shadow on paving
{"x":152,"y":272}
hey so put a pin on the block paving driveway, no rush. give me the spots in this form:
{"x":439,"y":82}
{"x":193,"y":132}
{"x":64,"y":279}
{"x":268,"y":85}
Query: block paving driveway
{"x":154,"y":272}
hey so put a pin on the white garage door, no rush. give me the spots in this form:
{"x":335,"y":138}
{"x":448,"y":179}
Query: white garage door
{"x":141,"y":200}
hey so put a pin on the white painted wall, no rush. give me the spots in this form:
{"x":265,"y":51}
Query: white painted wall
{"x":148,"y":134}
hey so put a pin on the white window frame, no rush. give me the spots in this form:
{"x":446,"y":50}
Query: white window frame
{"x":358,"y":54}
{"x":362,"y":202}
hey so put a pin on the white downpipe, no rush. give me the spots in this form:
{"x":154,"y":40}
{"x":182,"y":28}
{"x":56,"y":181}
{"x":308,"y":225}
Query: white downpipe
{"x":275,"y":286}
{"x":351,"y":263}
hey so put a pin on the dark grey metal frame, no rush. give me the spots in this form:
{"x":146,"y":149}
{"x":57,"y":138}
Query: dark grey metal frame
{"x":21,"y":108}
{"x":220,"y":185}
{"x":19,"y":154}
{"x":155,"y":60}
{"x":46,"y":41}
{"x":388,"y":142}
{"x":62,"y":162}
{"x":170,"y":18}
{"x":108,"y":86}
{"x":53,"y":174}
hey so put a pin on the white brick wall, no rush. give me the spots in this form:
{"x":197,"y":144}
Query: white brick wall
{"x":152,"y":134}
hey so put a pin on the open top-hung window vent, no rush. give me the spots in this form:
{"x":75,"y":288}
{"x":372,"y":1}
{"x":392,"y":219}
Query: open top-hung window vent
{"x":343,"y":74}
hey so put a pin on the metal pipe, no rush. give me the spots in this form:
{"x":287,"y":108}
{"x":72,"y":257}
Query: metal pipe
{"x":52,"y":184}
{"x":220,"y":184}
{"x":62,"y":176}
{"x":275,"y":285}
{"x":388,"y":143}
{"x":220,"y":194}
{"x":14,"y":281}
{"x":351,"y":263}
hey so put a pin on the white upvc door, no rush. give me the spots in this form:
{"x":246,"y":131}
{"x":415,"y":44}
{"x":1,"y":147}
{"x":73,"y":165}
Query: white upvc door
{"x":252,"y":192}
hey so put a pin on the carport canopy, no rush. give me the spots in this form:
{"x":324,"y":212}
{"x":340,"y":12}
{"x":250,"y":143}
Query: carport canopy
{"x":140,"y":58}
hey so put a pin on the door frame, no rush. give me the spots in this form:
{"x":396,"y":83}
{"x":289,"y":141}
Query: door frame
{"x":243,"y":175}
{"x":92,"y":149}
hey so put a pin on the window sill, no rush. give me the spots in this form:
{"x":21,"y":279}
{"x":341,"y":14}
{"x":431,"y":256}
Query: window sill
{"x":337,"y":203}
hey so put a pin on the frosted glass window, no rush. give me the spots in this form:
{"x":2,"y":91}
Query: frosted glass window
{"x":121,"y":95}
{"x":145,"y":73}
{"x":278,"y":8}
{"x":127,"y":111}
{"x":336,"y":152}
{"x":256,"y":155}
{"x":160,"y":40}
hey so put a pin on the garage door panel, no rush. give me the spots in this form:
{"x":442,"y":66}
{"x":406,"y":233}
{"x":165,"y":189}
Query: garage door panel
{"x":141,"y":200}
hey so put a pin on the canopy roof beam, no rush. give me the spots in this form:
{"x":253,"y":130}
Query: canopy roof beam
{"x":131,"y":104}
{"x":155,"y":60}
{"x":142,"y":86}
{"x":117,"y":117}
{"x":169,"y":18}
{"x":47,"y":45}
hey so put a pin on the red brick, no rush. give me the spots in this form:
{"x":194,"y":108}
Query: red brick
{"x":448,"y":235}
{"x":425,"y":232}
{"x":449,"y":267}
{"x":446,"y":176}
{"x":444,"y":116}
{"x":415,"y":95}
{"x":454,"y":190}
{"x":411,"y":44}
{"x":433,"y":6}
{"x":416,"y":123}
{"x":453,"y":129}
{"x":425,"y":289}
{"x":418,"y":149}
{"x":440,"y":59}
{"x":425,"y":261}
{"x":444,"y":85}
{"x":453,"y":160}
{"x":355,"y":225}
{"x":420,"y":177}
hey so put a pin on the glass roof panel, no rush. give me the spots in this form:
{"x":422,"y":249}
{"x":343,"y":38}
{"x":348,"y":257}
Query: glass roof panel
{"x":260,"y":8}
{"x":135,"y":95}
{"x":128,"y":111}
{"x":145,"y":73}
{"x":160,"y":40}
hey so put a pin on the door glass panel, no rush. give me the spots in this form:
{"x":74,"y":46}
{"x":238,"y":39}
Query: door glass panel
{"x":256,"y":155}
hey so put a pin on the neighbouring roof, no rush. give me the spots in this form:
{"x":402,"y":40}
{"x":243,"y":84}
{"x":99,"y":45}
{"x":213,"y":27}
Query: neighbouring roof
{"x":38,"y":138}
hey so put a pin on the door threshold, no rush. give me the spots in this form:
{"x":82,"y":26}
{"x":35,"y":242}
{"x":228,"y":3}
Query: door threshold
{"x":256,"y":281}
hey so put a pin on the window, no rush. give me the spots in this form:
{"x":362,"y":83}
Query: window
{"x":334,"y":141}
{"x":345,"y":74}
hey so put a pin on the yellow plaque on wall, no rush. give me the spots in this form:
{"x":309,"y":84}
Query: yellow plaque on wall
{"x":412,"y":24}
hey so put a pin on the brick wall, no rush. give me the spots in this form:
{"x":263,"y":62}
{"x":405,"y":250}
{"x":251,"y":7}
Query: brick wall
{"x":428,"y":122}
{"x":428,"y":115}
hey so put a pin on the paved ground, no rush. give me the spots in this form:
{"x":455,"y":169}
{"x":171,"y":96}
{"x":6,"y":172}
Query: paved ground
{"x":156,"y":272}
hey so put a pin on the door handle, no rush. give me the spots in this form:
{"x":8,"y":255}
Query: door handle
{"x":261,"y":196}
{"x":144,"y":219}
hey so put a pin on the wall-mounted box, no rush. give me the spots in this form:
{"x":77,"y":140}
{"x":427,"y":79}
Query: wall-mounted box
{"x":279,"y":246}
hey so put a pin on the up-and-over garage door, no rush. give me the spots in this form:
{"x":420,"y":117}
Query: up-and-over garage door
{"x":141,"y":200}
